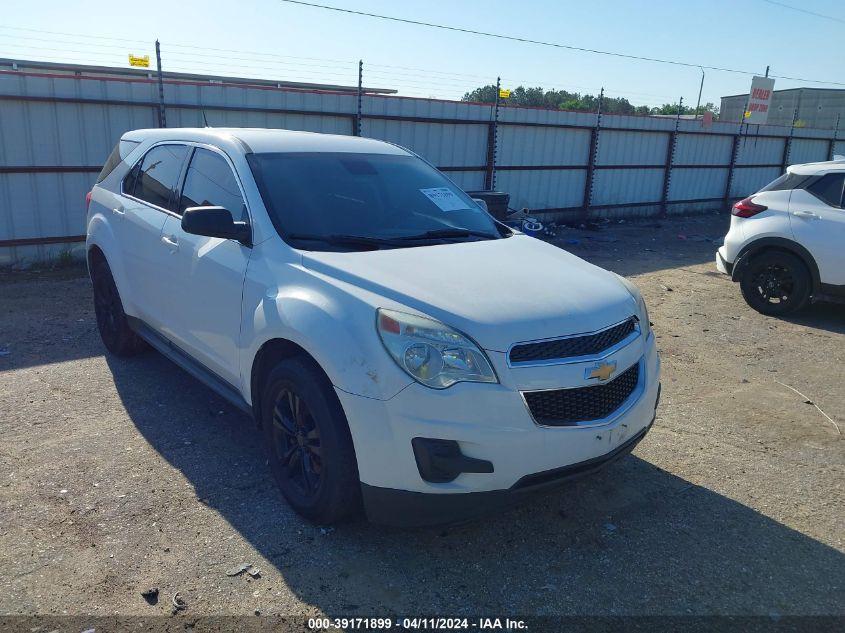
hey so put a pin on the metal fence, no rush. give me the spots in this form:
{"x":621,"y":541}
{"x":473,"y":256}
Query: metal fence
{"x":57,"y":129}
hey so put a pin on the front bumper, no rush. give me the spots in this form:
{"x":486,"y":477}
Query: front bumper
{"x":490,"y":423}
{"x":403,"y":508}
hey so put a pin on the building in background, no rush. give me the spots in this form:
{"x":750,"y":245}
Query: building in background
{"x":817,"y":107}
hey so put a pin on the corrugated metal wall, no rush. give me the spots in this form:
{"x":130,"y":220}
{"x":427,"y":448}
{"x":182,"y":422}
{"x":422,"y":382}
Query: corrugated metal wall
{"x":56,"y":131}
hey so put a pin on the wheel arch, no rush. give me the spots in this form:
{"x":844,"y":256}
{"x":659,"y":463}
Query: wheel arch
{"x":749,"y":251}
{"x":268,"y":356}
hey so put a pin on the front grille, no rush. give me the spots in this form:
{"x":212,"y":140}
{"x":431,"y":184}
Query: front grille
{"x":574,"y":346}
{"x":568,"y":407}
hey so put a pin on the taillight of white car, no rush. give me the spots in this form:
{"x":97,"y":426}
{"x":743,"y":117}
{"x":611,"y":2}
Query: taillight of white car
{"x":747,"y":208}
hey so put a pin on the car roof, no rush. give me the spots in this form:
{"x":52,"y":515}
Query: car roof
{"x":262,"y":140}
{"x":811,"y":169}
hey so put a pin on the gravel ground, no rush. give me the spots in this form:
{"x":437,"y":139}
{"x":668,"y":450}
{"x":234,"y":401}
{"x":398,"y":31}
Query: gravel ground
{"x":118,"y":475}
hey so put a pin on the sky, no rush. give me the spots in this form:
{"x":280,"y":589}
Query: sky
{"x":277,"y":40}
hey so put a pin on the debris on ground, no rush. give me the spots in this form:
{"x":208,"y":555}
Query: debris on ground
{"x":178,"y":602}
{"x":150,"y":595}
{"x":254,"y":572}
{"x":610,"y":527}
{"x":326,"y":530}
{"x":593,"y":226}
{"x":237,"y":571}
{"x":818,"y":408}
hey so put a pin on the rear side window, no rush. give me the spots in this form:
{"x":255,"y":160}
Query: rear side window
{"x":158,"y":174}
{"x":111,"y":162}
{"x":210,"y":182}
{"x":786,"y":182}
{"x":120,"y":151}
{"x":828,"y":188}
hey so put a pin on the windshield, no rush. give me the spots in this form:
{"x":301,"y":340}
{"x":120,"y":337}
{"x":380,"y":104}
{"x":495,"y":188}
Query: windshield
{"x":348,"y":201}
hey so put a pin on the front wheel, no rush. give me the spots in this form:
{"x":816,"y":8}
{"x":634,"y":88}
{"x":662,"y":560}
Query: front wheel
{"x":776,"y":283}
{"x":308,"y":442}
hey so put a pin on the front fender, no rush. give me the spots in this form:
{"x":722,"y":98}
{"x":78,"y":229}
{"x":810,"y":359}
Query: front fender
{"x":334,"y":327}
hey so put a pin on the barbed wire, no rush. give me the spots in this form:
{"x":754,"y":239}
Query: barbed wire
{"x":408,"y":80}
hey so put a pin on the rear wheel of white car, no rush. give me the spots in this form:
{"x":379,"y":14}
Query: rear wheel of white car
{"x":776,"y":283}
{"x":308,"y":442}
{"x":114,"y":328}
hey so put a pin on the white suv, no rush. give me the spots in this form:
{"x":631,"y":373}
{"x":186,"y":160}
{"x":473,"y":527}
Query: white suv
{"x":786,"y":244}
{"x":397,"y":345}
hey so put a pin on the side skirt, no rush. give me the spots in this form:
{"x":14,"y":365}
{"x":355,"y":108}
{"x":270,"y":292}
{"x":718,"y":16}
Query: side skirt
{"x":197,"y":370}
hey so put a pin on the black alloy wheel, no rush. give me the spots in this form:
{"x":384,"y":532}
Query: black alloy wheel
{"x":296,"y":442}
{"x":112,"y":323}
{"x":775,"y":283}
{"x":308,"y":442}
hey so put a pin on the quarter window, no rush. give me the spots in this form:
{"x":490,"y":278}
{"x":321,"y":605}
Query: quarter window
{"x":210,"y":182}
{"x":158,"y":175}
{"x":828,"y":188}
{"x":785,"y":182}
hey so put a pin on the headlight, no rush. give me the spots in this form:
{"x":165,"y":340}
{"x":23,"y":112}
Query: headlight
{"x":642,"y":310}
{"x":642,"y":315}
{"x":430,"y":352}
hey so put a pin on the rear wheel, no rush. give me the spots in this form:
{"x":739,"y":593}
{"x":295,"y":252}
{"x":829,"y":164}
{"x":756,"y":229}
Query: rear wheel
{"x":114,"y":328}
{"x":776,"y":283}
{"x":308,"y":442}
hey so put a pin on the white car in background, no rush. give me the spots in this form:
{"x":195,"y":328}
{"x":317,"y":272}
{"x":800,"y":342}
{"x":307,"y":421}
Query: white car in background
{"x":377,"y":323}
{"x":786,"y":243}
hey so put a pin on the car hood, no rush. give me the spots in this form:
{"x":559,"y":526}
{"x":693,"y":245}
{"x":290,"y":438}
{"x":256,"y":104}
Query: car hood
{"x":499,"y":292}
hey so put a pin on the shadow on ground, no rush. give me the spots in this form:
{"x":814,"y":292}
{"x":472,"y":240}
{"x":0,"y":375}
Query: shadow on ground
{"x":633,"y":539}
{"x":822,"y":316}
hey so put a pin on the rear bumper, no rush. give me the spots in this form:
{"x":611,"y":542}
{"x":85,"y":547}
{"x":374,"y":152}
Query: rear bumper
{"x":722,"y":265}
{"x":404,"y":508}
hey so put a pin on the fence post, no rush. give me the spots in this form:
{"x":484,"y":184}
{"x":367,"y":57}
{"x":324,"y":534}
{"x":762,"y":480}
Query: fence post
{"x":787,"y":147}
{"x":357,"y":131}
{"x":670,"y":157}
{"x":492,"y":142}
{"x":732,"y":165}
{"x":587,"y":200}
{"x":831,"y":144}
{"x":162,"y":118}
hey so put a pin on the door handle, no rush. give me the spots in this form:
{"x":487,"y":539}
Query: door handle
{"x":171,"y":242}
{"x":807,"y":214}
{"x":118,"y":211}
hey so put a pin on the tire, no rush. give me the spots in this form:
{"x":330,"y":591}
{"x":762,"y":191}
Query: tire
{"x":117,"y":336}
{"x":308,"y":443}
{"x":776,"y":283}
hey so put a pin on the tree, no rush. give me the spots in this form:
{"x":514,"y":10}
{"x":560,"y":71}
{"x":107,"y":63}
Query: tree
{"x":672,"y":108}
{"x":563,"y":100}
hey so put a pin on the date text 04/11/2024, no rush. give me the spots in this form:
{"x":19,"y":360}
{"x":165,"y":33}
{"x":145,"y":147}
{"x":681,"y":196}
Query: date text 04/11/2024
{"x":417,"y":624}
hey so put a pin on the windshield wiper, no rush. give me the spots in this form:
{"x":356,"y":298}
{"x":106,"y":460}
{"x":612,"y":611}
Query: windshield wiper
{"x":345,"y":240}
{"x":445,"y":233}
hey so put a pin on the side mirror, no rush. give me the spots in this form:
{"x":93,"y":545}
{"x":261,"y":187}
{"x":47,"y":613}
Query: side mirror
{"x":215,"y":222}
{"x":481,"y":203}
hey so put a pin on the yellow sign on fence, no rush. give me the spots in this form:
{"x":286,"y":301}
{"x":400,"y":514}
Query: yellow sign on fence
{"x":504,"y":94}
{"x":141,"y":62}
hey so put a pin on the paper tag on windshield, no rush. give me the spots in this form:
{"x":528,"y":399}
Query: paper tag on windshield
{"x":444,"y":198}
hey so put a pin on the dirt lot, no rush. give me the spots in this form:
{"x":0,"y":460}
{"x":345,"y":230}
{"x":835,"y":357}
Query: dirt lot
{"x":117,"y":475}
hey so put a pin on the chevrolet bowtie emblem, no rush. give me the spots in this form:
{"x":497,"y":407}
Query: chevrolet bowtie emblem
{"x":602,"y":371}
